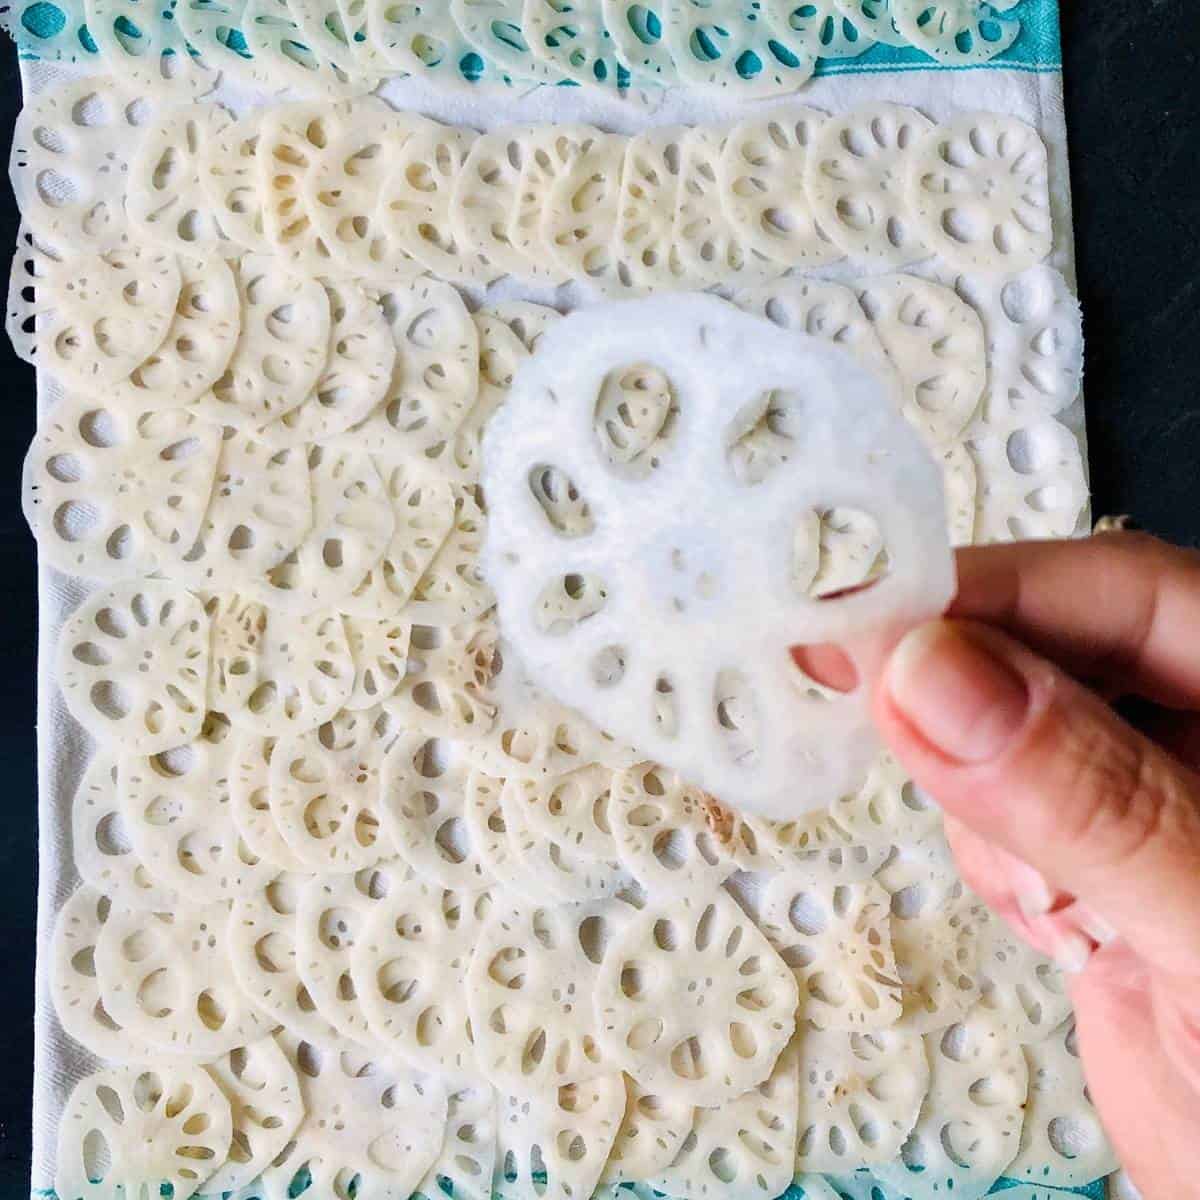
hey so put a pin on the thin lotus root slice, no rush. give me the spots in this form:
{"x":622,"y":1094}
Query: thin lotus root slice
{"x":133,"y":663}
{"x":437,"y":374}
{"x":838,"y":943}
{"x":101,"y":845}
{"x":281,"y":348}
{"x":821,"y":26}
{"x":325,"y":791}
{"x":356,"y":378}
{"x":860,"y":1094}
{"x":651,"y":1134}
{"x":487,"y":820}
{"x":572,"y":810}
{"x":70,"y":155}
{"x":935,"y":341}
{"x":423,"y":507}
{"x":427,"y":41}
{"x":275,"y":675}
{"x":494,"y":28}
{"x":77,"y":994}
{"x":261,"y":936}
{"x":336,"y":32}
{"x":969,"y":1127}
{"x":650,"y":185}
{"x":163,"y":199}
{"x":727,"y":47}
{"x":530,"y":988}
{"x":178,"y":811}
{"x":166,"y":978}
{"x":956,"y":32}
{"x":445,"y":691}
{"x":415,"y":205}
{"x":888,"y":808}
{"x":229,"y":180}
{"x":111,"y":492}
{"x":855,"y":176}
{"x":259,"y":508}
{"x":874,"y":18}
{"x":573,"y":40}
{"x":90,"y":318}
{"x":131,"y":1131}
{"x":1062,"y":1141}
{"x":426,"y":786}
{"x":277,"y":44}
{"x":637,"y":36}
{"x":352,"y":527}
{"x":379,"y":649}
{"x":364,"y":1119}
{"x":692,"y":1001}
{"x":452,"y":587}
{"x":978,"y":188}
{"x":1020,"y":986}
{"x":213,"y":29}
{"x":961,"y":482}
{"x":143,"y":45}
{"x":409,"y":969}
{"x":556,"y":1144}
{"x":1034,"y":334}
{"x":1032,"y":481}
{"x":675,"y":839}
{"x":264,"y":1101}
{"x":198,"y":345}
{"x":743,"y":1147}
{"x":331,"y":915}
{"x":760,"y":177}
{"x":467,"y":1163}
{"x":250,"y":802}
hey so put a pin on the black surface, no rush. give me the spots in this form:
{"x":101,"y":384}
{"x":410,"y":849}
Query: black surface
{"x":1133,"y":110}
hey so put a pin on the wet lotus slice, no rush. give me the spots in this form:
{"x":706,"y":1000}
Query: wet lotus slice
{"x":781,"y":500}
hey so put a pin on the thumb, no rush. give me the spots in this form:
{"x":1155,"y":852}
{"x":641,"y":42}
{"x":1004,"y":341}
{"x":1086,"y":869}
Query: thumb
{"x":1030,"y":759}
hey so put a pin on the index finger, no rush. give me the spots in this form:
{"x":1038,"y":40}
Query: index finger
{"x":1119,"y":609}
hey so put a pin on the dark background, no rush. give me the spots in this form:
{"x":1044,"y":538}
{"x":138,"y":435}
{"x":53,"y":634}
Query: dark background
{"x":1133,"y":112}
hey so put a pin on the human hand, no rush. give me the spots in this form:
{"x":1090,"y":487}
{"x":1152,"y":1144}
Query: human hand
{"x":1078,"y":828}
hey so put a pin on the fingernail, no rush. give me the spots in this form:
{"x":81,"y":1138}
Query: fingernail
{"x":960,"y":697}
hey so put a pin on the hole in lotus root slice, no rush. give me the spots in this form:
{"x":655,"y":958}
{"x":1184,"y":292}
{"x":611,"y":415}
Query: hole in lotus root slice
{"x":1034,"y":334}
{"x":166,"y":978}
{"x":555,"y":1145}
{"x":142,"y":44}
{"x":860,"y":1094}
{"x":409,"y":970}
{"x":467,"y":1163}
{"x":446,"y":690}
{"x":365,"y":1119}
{"x":132,"y":665}
{"x":649,"y":1139}
{"x":281,"y":349}
{"x":274,"y":675}
{"x":70,"y":154}
{"x":229,"y":179}
{"x":261,"y":937}
{"x":250,"y":802}
{"x":637,"y":31}
{"x":131,"y":1131}
{"x":415,"y":205}
{"x":958,"y":32}
{"x":837,"y":940}
{"x":283,"y":58}
{"x":887,"y":808}
{"x":675,"y":839}
{"x":692,"y":1001}
{"x":178,"y":811}
{"x":1031,"y":480}
{"x":855,"y":177}
{"x":453,"y":588}
{"x":1021,"y":987}
{"x":380,"y":652}
{"x":101,"y":844}
{"x":574,"y":41}
{"x":875,"y":18}
{"x":1063,"y":1143}
{"x":426,"y":792}
{"x":935,"y":341}
{"x":647,"y":257}
{"x":558,"y":497}
{"x":978,"y":189}
{"x":495,"y":28}
{"x":760,"y":179}
{"x":961,"y":484}
{"x":531,"y":985}
{"x":331,"y":916}
{"x":836,"y":550}
{"x":198,"y":345}
{"x":163,"y":198}
{"x":820,"y":26}
{"x":75,"y":988}
{"x":727,"y":46}
{"x":744,"y":1147}
{"x":568,"y":600}
{"x":89,"y":318}
{"x":325,"y":791}
{"x":111,"y":492}
{"x":969,"y":1126}
{"x":264,"y":1101}
{"x":437,"y":377}
{"x":261,"y":506}
{"x":636,"y":419}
